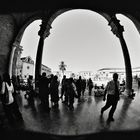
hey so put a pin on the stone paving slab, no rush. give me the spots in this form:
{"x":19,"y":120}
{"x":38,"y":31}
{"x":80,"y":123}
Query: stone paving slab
{"x":85,"y":119}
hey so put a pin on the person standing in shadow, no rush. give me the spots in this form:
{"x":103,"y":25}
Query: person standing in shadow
{"x":9,"y":103}
{"x":44,"y":91}
{"x":90,"y":86}
{"x":63,"y":87}
{"x":54,"y":92}
{"x":112,"y":92}
{"x":79,"y":88}
{"x":83,"y":86}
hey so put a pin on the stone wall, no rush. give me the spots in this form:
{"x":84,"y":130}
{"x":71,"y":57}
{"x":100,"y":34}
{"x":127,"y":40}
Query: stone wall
{"x":7,"y":30}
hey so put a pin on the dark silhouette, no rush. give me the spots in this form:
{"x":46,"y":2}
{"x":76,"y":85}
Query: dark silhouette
{"x":54,"y":92}
{"x":18,"y":83}
{"x":90,"y":86}
{"x":79,"y":88}
{"x":71,"y":93}
{"x":10,"y":107}
{"x":30,"y":94}
{"x":44,"y":91}
{"x":138,"y":79}
{"x":112,"y":92}
{"x":83,"y":86}
{"x":63,"y":87}
{"x":66,"y":93}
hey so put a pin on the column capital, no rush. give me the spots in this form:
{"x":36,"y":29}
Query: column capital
{"x":17,"y":45}
{"x":116,"y":27}
{"x":44,"y":29}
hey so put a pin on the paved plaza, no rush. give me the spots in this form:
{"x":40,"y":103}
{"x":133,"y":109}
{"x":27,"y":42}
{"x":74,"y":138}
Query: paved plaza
{"x":85,"y":119}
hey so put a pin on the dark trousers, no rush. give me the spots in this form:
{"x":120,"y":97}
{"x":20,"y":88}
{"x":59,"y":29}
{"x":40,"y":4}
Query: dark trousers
{"x":12,"y":112}
{"x":79,"y":94}
{"x":71,"y":100}
{"x":90,"y":90}
{"x":62,"y":91}
{"x":111,"y":102}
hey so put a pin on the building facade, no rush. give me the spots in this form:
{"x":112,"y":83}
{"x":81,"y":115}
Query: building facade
{"x":106,"y":73}
{"x":45,"y":69}
{"x":25,"y":68}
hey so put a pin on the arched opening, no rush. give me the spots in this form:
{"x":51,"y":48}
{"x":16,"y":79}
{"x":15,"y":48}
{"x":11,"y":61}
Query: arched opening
{"x":26,"y":52}
{"x":132,"y":38}
{"x":83,"y":42}
{"x":75,"y":36}
{"x":29,"y":43}
{"x":131,"y":34}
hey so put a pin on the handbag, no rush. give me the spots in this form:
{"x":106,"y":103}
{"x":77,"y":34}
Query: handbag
{"x":5,"y":97}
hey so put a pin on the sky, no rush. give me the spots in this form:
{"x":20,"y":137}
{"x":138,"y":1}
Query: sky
{"x":84,"y":41}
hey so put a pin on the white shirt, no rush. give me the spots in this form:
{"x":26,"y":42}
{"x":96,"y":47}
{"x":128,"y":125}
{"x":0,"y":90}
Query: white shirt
{"x":111,"y":87}
{"x":10,"y":91}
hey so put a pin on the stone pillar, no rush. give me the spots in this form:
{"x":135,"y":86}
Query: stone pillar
{"x":14,"y":56}
{"x":43,"y":33}
{"x":117,"y":29}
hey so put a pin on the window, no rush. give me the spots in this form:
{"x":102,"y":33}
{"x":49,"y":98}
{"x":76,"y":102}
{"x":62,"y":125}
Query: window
{"x":28,"y":67}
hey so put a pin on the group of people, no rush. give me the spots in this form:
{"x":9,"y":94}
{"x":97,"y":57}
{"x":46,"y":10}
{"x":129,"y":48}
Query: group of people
{"x":49,"y":92}
{"x":73,"y":88}
{"x":70,"y":89}
{"x":78,"y":88}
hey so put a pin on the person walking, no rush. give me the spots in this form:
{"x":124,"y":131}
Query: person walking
{"x":79,"y":88}
{"x":9,"y":102}
{"x":112,"y":92}
{"x":30,"y":94}
{"x":90,"y":86}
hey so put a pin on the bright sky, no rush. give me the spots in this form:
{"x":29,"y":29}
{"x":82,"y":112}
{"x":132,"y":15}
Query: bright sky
{"x":83,"y":40}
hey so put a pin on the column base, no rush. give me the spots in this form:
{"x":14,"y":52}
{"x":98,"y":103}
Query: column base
{"x":129,"y":93}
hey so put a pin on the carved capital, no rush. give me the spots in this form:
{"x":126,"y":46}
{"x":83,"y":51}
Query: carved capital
{"x":116,"y":27}
{"x":44,"y":29}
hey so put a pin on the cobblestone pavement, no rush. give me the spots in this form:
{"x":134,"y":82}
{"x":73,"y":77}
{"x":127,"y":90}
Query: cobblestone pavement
{"x":85,"y":118}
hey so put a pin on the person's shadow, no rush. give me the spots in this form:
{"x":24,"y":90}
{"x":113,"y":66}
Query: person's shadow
{"x":103,"y":125}
{"x":123,"y":111}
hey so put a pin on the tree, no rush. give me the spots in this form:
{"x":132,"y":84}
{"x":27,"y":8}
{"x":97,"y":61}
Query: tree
{"x":62,"y":67}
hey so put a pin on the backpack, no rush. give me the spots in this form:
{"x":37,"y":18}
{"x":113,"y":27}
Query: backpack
{"x":5,"y":96}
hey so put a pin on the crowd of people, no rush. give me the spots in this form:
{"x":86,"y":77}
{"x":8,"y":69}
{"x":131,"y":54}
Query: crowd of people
{"x":70,"y":89}
{"x":51,"y":91}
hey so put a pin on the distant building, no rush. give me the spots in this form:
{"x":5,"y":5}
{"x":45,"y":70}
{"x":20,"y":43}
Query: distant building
{"x":106,"y":73}
{"x":60,"y":74}
{"x":25,"y":68}
{"x":86,"y":74}
{"x":45,"y":69}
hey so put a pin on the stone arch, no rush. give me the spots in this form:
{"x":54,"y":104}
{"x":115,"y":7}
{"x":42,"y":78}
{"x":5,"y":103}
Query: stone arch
{"x":51,"y":17}
{"x":108,"y":17}
{"x":134,"y":20}
{"x":16,"y":45}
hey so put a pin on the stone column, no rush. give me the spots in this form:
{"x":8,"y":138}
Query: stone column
{"x":12,"y":57}
{"x":117,"y":29}
{"x":43,"y":33}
